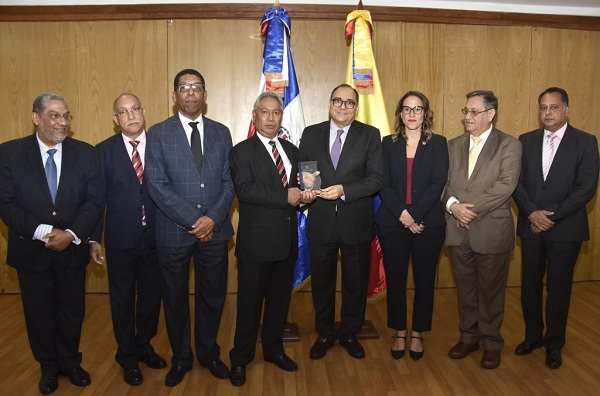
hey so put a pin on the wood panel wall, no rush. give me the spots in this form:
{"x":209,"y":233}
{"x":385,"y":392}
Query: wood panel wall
{"x":90,"y":63}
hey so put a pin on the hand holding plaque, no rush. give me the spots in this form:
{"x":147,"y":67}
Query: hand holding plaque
{"x":309,"y":176}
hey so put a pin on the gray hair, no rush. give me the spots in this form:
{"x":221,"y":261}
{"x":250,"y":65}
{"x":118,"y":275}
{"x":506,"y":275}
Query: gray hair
{"x":39,"y":104}
{"x":268,"y":94}
{"x":139,"y":102}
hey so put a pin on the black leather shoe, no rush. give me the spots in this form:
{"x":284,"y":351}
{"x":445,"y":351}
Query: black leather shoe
{"x":48,"y":384}
{"x":320,"y":347}
{"x":238,"y":375}
{"x":217,"y":368}
{"x":78,"y":376}
{"x":176,"y":374}
{"x":133,"y":376}
{"x":154,"y":361}
{"x":526,"y":347}
{"x":553,"y":358}
{"x":282,"y":361}
{"x":353,"y":347}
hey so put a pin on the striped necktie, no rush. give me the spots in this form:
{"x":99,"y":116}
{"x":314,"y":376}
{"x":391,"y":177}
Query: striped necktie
{"x":136,"y":160}
{"x":279,"y":164}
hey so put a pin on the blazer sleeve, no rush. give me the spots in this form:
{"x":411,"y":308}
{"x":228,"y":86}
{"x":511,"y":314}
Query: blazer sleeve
{"x":389,"y":198}
{"x":586,"y":179}
{"x":436,"y":181}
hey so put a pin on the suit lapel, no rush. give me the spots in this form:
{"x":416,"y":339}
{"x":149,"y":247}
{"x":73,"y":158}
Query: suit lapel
{"x":67,"y":167}
{"x":485,"y":154}
{"x":37,"y":165}
{"x":265,"y":159}
{"x":351,"y":139}
{"x":181,"y":140}
{"x":122,"y":155}
{"x":536,"y":153}
{"x":563,"y":151}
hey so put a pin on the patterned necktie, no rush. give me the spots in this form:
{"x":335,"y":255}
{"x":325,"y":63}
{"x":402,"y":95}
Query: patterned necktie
{"x":336,"y":148}
{"x":136,"y":160}
{"x":51,"y":174}
{"x":547,"y":156}
{"x":473,"y":153}
{"x":196,"y":144}
{"x":279,"y":164}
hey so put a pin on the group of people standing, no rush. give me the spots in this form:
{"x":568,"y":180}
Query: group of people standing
{"x":161,"y":199}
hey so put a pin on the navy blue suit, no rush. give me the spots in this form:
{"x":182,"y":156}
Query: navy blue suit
{"x":183,"y":195}
{"x":132,"y":262}
{"x":52,"y":282}
{"x":399,"y":244}
{"x":571,"y":183}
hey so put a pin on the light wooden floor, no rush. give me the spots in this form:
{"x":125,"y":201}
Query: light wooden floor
{"x":337,"y":373}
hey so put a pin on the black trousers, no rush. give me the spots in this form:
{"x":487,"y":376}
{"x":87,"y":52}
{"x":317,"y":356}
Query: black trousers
{"x":261,"y":282}
{"x":135,"y":322}
{"x":557,"y":260}
{"x":210,"y":272}
{"x":398,"y":246}
{"x":54,"y":306}
{"x":355,"y":280}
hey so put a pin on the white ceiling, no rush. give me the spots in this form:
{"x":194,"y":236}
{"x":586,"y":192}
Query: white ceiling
{"x":556,"y":7}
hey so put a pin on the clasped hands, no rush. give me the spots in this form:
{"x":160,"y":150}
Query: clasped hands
{"x":463,"y":214}
{"x":408,"y":222}
{"x":58,"y":239}
{"x":202,"y":229}
{"x":540,"y":221}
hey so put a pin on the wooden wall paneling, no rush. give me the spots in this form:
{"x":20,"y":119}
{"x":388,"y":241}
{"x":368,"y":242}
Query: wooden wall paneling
{"x":570,"y":59}
{"x":493,"y":58}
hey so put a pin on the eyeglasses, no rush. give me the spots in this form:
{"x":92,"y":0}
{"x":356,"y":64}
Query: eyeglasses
{"x":55,"y":117}
{"x":552,"y":108}
{"x":194,"y":87}
{"x":417,"y":110}
{"x":134,"y":111}
{"x":474,"y":113}
{"x":337,"y":102}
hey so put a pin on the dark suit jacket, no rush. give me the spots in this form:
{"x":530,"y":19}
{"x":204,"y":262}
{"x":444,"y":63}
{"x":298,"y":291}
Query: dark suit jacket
{"x":180,"y":193}
{"x":490,"y":187}
{"x":429,"y":175}
{"x":25,"y":201}
{"x":570,"y":185}
{"x":124,"y":198}
{"x":359,"y":171}
{"x":267,"y":229}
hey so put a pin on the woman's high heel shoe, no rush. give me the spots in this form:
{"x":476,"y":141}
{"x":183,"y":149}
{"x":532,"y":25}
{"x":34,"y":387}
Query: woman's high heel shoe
{"x":414,"y":355}
{"x":397,"y":354}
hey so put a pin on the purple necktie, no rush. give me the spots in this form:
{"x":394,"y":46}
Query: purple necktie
{"x":336,"y":148}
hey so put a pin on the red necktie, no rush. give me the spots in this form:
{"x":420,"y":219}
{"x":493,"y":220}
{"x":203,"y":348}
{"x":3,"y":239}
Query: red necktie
{"x":136,"y":160}
{"x":279,"y":164}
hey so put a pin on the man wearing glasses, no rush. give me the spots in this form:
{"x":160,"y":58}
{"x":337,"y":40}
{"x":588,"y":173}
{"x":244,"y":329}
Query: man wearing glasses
{"x":187,"y":166}
{"x":484,"y":171}
{"x":51,"y":196}
{"x":130,"y":241}
{"x":348,"y":155}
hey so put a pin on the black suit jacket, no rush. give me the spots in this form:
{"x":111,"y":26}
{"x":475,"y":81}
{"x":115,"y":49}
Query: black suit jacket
{"x":267,"y":229}
{"x":569,"y":186}
{"x":25,"y":201}
{"x":359,"y":171}
{"x":125,"y":197}
{"x":429,"y":175}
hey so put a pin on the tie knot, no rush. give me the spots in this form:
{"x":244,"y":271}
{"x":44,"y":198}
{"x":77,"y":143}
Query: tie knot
{"x":477,"y":139}
{"x":339,"y":132}
{"x":272,"y":143}
{"x":51,"y":152}
{"x":551,"y":136}
{"x":194,"y":125}
{"x":134,"y":143}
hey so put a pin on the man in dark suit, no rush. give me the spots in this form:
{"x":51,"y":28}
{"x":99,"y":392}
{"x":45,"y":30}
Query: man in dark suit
{"x":264,"y":170}
{"x":559,"y":177}
{"x":187,"y":167}
{"x":348,"y":155}
{"x":130,"y":241}
{"x":51,"y":198}
{"x":484,"y":170}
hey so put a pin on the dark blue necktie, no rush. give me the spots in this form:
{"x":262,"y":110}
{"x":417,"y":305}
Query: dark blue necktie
{"x":51,"y":174}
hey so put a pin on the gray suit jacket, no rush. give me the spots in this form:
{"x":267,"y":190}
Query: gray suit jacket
{"x":492,"y":182}
{"x":181,"y":194}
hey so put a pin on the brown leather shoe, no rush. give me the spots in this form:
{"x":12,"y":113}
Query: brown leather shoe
{"x":462,"y":349}
{"x":490,"y":359}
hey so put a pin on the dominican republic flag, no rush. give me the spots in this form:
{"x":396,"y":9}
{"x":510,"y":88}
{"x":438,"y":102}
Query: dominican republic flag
{"x":362,"y":75}
{"x":278,"y":75}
